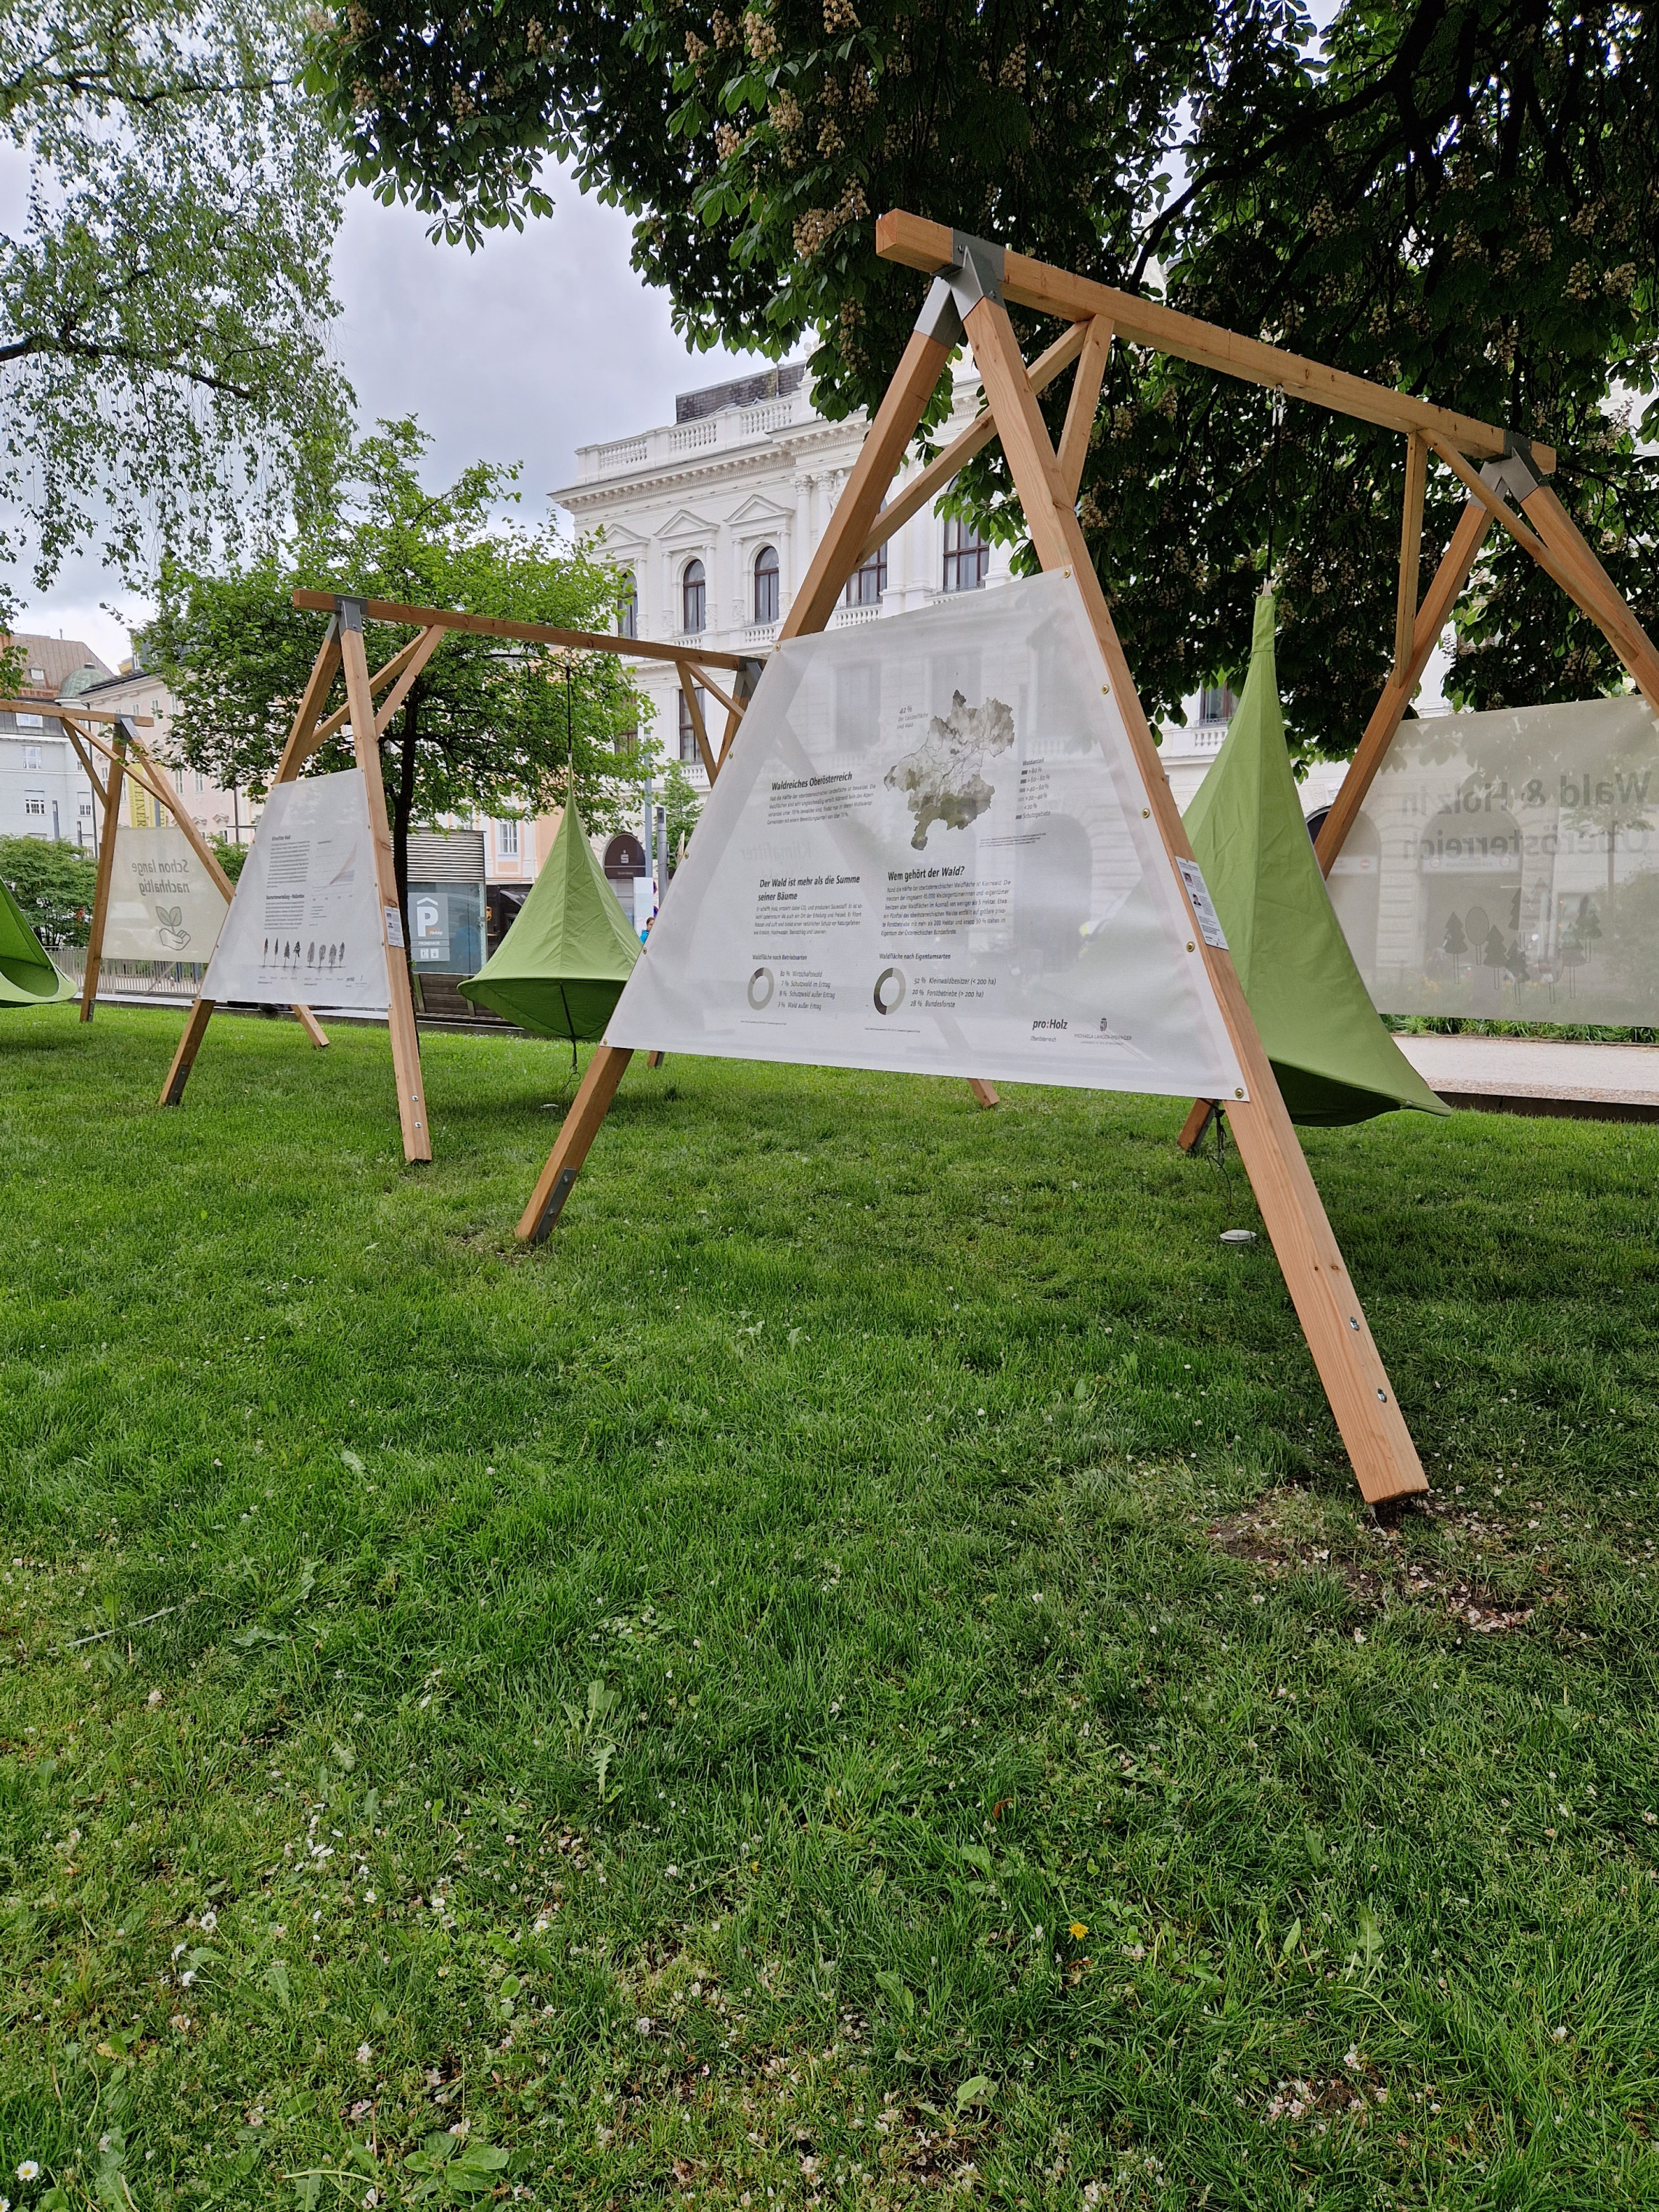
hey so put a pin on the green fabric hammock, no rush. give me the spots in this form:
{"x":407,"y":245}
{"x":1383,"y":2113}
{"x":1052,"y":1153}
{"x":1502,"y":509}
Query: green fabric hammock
{"x":27,"y":977}
{"x":560,"y":970}
{"x":1334,"y":1061}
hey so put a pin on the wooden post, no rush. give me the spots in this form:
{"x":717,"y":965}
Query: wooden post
{"x":581,"y":1125}
{"x":312,"y":699}
{"x":1561,"y":534}
{"x":1448,"y":581}
{"x":173,"y":1091}
{"x":1373,"y":1429}
{"x":1411,"y":545}
{"x":1085,"y":398}
{"x":400,"y":1007}
{"x":689,"y":693}
{"x":928,"y":482}
{"x":924,"y":362}
{"x":114,"y":777}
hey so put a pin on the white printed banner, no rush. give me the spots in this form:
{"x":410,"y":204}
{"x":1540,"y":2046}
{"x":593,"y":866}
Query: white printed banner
{"x":931,"y":851}
{"x":305,"y":925}
{"x":163,"y":904}
{"x":1507,"y":864}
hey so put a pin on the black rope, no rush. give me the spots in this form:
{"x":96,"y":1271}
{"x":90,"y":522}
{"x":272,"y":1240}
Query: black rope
{"x":1276,"y":415}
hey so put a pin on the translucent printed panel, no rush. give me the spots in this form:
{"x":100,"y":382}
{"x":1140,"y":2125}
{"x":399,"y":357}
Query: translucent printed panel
{"x":1507,"y":865}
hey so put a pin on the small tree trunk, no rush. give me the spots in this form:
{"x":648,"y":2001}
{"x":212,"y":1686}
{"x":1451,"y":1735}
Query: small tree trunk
{"x":403,"y":806}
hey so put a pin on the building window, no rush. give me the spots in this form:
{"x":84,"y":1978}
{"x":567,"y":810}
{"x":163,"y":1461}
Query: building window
{"x":628,"y":607}
{"x":31,"y":722}
{"x":507,"y":841}
{"x":35,"y":805}
{"x":688,"y":731}
{"x":868,"y":580}
{"x":1216,"y":703}
{"x":37,"y":676}
{"x":201,"y":780}
{"x":966,"y":556}
{"x":31,"y":759}
{"x":766,"y":584}
{"x":694,"y":598}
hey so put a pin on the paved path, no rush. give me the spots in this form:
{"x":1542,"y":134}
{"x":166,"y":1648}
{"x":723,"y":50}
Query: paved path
{"x":1530,"y":1075}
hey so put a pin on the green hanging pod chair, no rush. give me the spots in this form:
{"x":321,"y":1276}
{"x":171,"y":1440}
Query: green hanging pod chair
{"x":1333,"y":1060}
{"x":27,"y":977}
{"x":560,"y":970}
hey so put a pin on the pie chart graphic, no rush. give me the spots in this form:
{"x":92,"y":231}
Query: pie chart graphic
{"x":761,"y":988}
{"x":889,"y":991}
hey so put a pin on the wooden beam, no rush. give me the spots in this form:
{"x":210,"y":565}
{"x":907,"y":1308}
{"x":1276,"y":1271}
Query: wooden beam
{"x":313,"y":700}
{"x":400,"y":1005}
{"x":1361,"y":1397}
{"x":731,"y":705}
{"x":1562,"y":535}
{"x":689,"y":693}
{"x":53,"y":710}
{"x":420,"y":653}
{"x":929,"y":247}
{"x":113,"y":781}
{"x":574,"y":640}
{"x":1411,"y":546}
{"x":79,"y":738}
{"x":839,"y":549}
{"x":338,"y":720}
{"x":173,"y":1091}
{"x":1084,"y":400}
{"x":580,"y":1126}
{"x":985,"y":1093}
{"x":929,"y":482}
{"x":139,"y":770}
{"x":1432,"y":616}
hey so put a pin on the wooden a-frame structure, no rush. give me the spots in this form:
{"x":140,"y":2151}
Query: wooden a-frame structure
{"x":974,"y":284}
{"x":126,"y":759}
{"x":371,"y":701}
{"x":1513,"y":471}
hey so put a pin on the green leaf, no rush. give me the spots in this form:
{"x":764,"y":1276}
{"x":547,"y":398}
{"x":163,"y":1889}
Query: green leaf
{"x":976,"y":2090}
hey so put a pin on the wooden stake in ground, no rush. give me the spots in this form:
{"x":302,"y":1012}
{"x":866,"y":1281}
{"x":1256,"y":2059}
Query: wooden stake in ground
{"x":114,"y":776}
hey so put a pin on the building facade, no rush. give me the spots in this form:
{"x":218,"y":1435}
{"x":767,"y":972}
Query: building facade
{"x":227,"y":814}
{"x":43,"y":792}
{"x":715,"y":518}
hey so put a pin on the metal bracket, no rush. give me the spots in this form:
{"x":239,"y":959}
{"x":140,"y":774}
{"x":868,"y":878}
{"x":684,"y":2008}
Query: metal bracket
{"x":939,"y":319}
{"x":975,"y":273}
{"x":749,"y":675}
{"x":350,"y":612}
{"x":1511,"y":475}
{"x":557,"y":1197}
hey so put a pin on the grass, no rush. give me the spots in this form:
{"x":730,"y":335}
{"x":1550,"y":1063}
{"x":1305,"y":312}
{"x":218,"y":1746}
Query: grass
{"x":857,"y":1673}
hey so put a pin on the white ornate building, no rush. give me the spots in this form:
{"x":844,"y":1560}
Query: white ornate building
{"x":717,"y":515}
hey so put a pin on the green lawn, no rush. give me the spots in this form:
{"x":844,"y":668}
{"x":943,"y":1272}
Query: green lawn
{"x":856,"y":1673}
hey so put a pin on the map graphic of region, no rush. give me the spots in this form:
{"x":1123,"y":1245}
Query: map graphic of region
{"x":941,"y":779}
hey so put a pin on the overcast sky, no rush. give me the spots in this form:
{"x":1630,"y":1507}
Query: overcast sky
{"x":541,"y":342}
